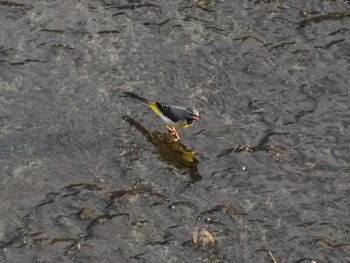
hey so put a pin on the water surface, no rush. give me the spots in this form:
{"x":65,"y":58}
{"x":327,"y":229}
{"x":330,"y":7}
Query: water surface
{"x":89,"y":176}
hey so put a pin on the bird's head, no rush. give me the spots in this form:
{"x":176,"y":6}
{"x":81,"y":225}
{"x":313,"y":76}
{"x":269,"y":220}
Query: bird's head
{"x":192,"y":115}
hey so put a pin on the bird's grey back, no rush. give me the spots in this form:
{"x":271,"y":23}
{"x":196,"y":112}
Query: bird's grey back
{"x":180,"y":112}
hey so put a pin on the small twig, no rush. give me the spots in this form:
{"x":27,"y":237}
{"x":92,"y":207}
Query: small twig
{"x":272,"y":257}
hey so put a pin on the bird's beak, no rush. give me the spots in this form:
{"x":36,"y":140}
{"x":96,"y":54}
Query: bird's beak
{"x":196,"y":117}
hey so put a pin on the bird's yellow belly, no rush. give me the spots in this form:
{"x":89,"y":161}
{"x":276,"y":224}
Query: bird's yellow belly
{"x":179,"y":124}
{"x":183,"y":124}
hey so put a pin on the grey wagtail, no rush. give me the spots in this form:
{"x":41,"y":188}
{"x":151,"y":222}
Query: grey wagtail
{"x":173,"y":116}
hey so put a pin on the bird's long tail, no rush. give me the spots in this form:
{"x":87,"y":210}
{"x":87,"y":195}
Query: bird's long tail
{"x":152,"y":104}
{"x":135,"y":96}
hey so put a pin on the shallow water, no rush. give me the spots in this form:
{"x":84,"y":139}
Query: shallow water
{"x":90,"y":176}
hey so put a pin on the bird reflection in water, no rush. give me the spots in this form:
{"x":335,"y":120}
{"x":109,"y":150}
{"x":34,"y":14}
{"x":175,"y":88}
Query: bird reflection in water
{"x":170,"y":151}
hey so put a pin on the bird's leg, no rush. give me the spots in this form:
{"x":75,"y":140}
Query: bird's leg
{"x":176,"y":135}
{"x":172,"y":131}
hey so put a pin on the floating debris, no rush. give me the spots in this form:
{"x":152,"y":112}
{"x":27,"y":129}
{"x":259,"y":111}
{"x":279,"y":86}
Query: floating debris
{"x":202,"y":237}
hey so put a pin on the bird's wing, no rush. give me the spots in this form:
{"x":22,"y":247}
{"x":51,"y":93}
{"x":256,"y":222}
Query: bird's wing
{"x":173,"y":113}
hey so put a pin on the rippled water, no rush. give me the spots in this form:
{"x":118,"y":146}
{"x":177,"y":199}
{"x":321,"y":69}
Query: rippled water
{"x":90,"y":176}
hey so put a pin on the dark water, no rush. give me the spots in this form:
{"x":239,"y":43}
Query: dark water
{"x":88,"y":176}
